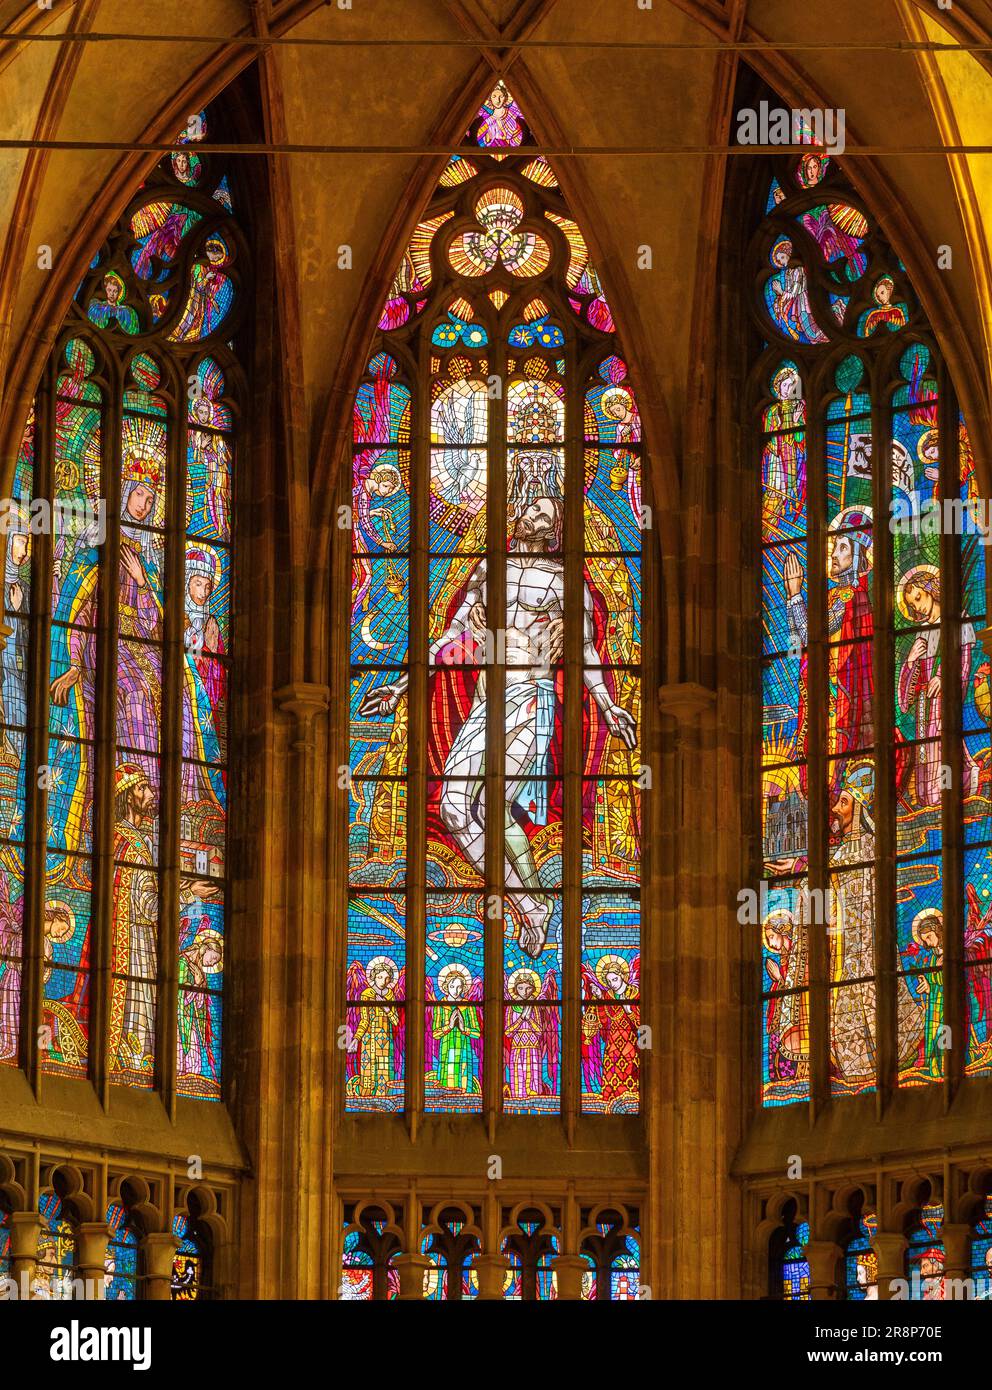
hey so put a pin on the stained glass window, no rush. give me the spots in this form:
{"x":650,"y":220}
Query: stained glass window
{"x":861,"y":1262}
{"x":613,"y":1255}
{"x":128,"y":454}
{"x":495,"y":649}
{"x":794,"y":1264}
{"x":861,"y":790}
{"x":450,"y":1244}
{"x":190,"y":1277}
{"x":4,"y":1243}
{"x":981,"y":1253}
{"x":54,"y":1268}
{"x":121,"y":1265}
{"x":530,"y":1249}
{"x":370,"y":1243}
{"x":925,"y":1255}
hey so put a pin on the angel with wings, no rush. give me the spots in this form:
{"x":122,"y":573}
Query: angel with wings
{"x":453,"y":1037}
{"x":375,"y":1028}
{"x":614,"y":985}
{"x":530,"y":1036}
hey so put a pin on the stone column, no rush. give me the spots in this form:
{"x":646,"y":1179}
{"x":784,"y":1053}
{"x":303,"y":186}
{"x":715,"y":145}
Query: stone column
{"x":491,"y":1271}
{"x":298,"y":945}
{"x":411,"y":1269}
{"x":569,"y":1270}
{"x":92,"y":1240}
{"x":25,"y":1228}
{"x":822,"y":1256}
{"x":956,"y":1236}
{"x":690,"y":997}
{"x":159,"y":1250}
{"x":891,"y":1251}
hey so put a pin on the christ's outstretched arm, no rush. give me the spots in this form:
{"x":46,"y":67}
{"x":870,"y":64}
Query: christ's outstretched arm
{"x":471,"y":614}
{"x":620,"y":722}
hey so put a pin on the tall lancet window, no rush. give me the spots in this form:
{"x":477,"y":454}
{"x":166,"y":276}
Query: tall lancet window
{"x":875,"y":775}
{"x":493,"y":932}
{"x":113,"y":787}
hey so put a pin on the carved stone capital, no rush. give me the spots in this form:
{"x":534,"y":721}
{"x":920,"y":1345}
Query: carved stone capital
{"x":890,"y":1248}
{"x":159,"y":1249}
{"x":92,"y":1243}
{"x":685,"y":701}
{"x":304,"y":701}
{"x":569,"y":1270}
{"x":491,"y":1271}
{"x":822,"y":1257}
{"x":411,"y":1269}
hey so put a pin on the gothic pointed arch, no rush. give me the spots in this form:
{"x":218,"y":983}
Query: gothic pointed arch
{"x":875,"y":772}
{"x":496,"y":509}
{"x":115,"y":664}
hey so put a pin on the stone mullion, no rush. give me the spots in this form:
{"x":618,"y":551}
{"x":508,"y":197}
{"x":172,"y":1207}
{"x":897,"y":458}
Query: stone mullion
{"x":573,"y":545}
{"x":883,"y":668}
{"x":951,"y":755}
{"x":817,"y":765}
{"x":36,"y":750}
{"x":170,"y":768}
{"x":495,"y":760}
{"x":105,"y":748}
{"x":418,"y":698}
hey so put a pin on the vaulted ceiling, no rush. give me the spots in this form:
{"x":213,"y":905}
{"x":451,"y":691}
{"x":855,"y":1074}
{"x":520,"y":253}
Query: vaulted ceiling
{"x":665,"y":84}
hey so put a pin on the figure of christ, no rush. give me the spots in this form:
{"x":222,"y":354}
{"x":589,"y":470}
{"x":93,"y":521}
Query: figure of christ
{"x":534,"y":643}
{"x":920,"y":684}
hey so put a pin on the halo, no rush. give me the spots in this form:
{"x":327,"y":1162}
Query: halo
{"x":378,"y":963}
{"x":842,"y":522}
{"x":855,"y":521}
{"x":912,"y":577}
{"x":64,"y":933}
{"x":454,"y":968}
{"x":193,"y":567}
{"x":925,"y":916}
{"x":769,"y":924}
{"x":523,"y":973}
{"x":611,"y":962}
{"x":614,"y":393}
{"x":882,"y":280}
{"x":119,"y":280}
{"x":927,"y":437}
